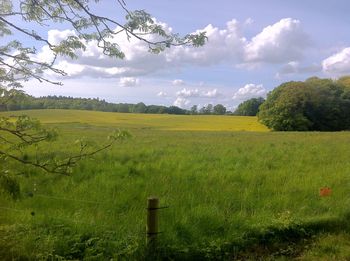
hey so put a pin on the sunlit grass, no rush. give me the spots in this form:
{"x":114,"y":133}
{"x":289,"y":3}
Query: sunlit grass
{"x":153,"y":121}
{"x":218,"y":184}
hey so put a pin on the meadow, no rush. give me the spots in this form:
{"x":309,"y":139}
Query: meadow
{"x":234,"y":190}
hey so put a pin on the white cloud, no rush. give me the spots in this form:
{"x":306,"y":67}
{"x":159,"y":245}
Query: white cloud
{"x":223,"y":45}
{"x":181,"y":102}
{"x":178,"y":82}
{"x":211,"y":94}
{"x":249,"y":21}
{"x":289,"y":68}
{"x":295,"y":67}
{"x":249,"y":91}
{"x":138,"y":60}
{"x":278,"y":43}
{"x":338,"y":63}
{"x":56,"y":36}
{"x":195,"y":93}
{"x":72,"y":70}
{"x":162,"y":94}
{"x":184,"y":93}
{"x":281,"y":42}
{"x":128,"y":81}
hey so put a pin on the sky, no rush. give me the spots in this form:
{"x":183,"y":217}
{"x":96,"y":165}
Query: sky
{"x":253,"y":46}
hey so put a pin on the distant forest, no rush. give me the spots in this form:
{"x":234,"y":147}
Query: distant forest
{"x":27,"y":102}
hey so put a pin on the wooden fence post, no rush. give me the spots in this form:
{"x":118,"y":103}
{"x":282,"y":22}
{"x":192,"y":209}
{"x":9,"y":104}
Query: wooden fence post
{"x":152,"y":220}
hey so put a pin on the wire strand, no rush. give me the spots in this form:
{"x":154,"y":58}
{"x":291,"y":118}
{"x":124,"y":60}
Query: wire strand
{"x":69,"y":199}
{"x":15,"y":209}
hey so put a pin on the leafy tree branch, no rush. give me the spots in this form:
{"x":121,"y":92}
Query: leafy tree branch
{"x":18,"y":135}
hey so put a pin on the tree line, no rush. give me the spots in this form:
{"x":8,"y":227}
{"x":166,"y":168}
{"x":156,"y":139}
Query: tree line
{"x":312,"y":105}
{"x":22,"y":101}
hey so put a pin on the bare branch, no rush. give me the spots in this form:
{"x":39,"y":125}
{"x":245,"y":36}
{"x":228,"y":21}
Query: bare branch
{"x":35,"y":36}
{"x":123,"y":5}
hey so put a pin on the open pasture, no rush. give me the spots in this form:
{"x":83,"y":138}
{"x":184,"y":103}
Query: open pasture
{"x":224,"y":178}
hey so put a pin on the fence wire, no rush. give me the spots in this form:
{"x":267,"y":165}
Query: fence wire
{"x":70,"y":199}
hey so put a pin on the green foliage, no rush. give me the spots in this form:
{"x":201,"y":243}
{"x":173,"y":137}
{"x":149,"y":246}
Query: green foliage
{"x":175,"y":110}
{"x":345,"y":81}
{"x":27,"y":102}
{"x":194,"y":109}
{"x":249,"y":107}
{"x":140,"y":108}
{"x":154,"y":109}
{"x":206,"y":109}
{"x":219,"y":109}
{"x":313,"y":105}
{"x":20,"y":101}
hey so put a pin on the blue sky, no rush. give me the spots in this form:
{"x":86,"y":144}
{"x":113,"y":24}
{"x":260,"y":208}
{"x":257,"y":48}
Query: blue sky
{"x":253,"y":46}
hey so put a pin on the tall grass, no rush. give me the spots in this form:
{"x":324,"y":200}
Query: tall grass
{"x":219,"y":185}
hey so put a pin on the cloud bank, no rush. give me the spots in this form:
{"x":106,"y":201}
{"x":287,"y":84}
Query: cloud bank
{"x":278,"y":43}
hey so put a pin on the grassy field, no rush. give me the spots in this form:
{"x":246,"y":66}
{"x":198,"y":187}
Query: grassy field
{"x":147,"y":121}
{"x":234,"y":190}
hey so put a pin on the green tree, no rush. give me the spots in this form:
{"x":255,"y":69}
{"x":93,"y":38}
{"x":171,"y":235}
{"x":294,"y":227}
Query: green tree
{"x":123,"y":107}
{"x":316,"y":104}
{"x":249,"y":107}
{"x":175,"y":110}
{"x":140,"y":108}
{"x":345,"y":81}
{"x":155,"y":109}
{"x":219,"y":109}
{"x":206,"y":109}
{"x":194,"y":109}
